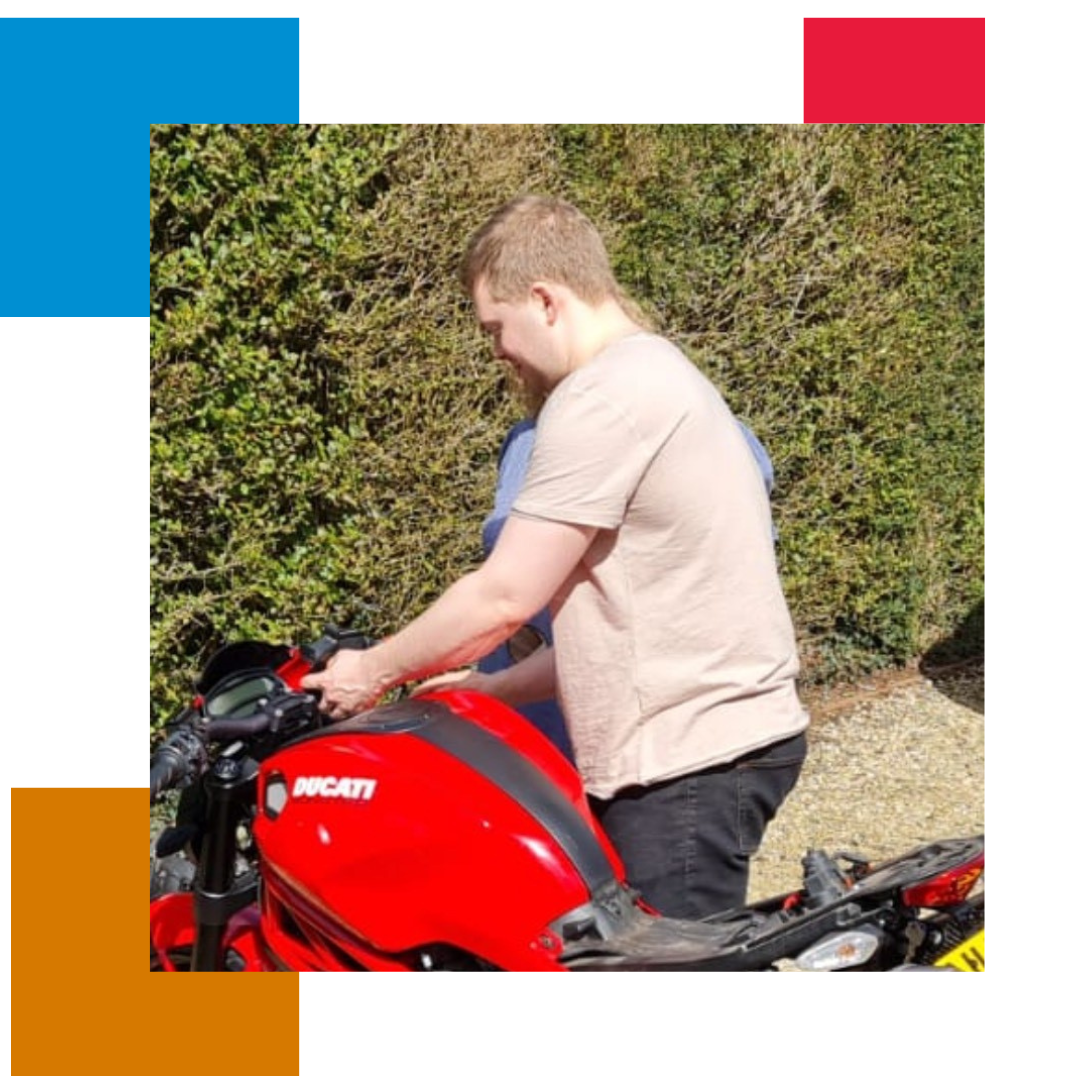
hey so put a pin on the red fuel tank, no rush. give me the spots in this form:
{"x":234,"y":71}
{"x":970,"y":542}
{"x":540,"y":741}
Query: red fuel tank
{"x":443,"y":829}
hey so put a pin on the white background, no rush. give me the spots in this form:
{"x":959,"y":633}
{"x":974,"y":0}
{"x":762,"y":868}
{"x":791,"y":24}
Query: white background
{"x":74,"y":438}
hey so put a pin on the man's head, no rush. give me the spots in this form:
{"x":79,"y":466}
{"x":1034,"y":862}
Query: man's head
{"x":532,"y":239}
{"x":542,"y":285}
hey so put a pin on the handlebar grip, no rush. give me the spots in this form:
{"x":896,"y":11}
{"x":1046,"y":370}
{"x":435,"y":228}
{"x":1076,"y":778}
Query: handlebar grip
{"x":318,"y":652}
{"x":173,"y":762}
{"x":167,"y":767}
{"x":333,"y":639}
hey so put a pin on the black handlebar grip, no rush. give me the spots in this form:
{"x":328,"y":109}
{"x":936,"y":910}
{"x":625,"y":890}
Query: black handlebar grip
{"x":353,"y":639}
{"x":333,"y":639}
{"x":175,"y":760}
{"x":167,"y":767}
{"x":318,"y":652}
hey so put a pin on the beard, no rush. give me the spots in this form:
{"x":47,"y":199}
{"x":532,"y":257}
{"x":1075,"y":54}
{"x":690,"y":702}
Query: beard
{"x":527,"y":391}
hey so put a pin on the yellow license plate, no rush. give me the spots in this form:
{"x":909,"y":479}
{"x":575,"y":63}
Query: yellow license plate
{"x":970,"y":955}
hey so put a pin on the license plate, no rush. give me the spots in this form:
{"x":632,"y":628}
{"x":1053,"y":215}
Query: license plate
{"x":969,"y":955}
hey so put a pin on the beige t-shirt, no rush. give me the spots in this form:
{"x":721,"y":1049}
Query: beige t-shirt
{"x":674,"y":648}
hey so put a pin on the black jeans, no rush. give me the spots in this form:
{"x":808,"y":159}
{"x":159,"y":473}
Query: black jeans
{"x":686,"y":843}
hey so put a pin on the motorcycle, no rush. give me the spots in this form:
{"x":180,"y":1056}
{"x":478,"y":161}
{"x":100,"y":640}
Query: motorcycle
{"x":445,"y":833}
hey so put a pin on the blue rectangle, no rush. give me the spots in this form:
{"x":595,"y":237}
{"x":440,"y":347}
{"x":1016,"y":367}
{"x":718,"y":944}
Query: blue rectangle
{"x":74,"y":163}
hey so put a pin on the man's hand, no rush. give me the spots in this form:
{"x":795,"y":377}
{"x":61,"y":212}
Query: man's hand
{"x":520,"y":684}
{"x":351,"y":683}
{"x":462,"y":679}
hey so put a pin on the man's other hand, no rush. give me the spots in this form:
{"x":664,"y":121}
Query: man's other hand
{"x":462,"y":679}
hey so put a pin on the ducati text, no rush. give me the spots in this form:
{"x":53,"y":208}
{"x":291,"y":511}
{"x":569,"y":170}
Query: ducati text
{"x":333,"y":787}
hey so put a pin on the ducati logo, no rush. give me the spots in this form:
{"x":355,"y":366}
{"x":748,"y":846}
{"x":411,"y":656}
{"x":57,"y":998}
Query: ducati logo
{"x":331,"y":787}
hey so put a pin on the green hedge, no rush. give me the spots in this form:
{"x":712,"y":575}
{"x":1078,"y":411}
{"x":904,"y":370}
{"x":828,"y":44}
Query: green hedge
{"x":325,"y":417}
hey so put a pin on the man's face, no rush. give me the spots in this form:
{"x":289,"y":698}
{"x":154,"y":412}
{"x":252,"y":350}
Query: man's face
{"x":521,"y":334}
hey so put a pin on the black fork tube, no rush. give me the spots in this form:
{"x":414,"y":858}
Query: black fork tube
{"x":230,"y":790}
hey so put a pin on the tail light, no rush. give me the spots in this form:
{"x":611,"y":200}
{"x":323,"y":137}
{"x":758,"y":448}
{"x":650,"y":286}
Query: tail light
{"x":948,"y":888}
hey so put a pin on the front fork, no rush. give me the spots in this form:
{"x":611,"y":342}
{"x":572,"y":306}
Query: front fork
{"x":218,"y":892}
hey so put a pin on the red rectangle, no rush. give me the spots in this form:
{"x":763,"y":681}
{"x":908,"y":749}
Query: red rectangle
{"x":901,"y":71}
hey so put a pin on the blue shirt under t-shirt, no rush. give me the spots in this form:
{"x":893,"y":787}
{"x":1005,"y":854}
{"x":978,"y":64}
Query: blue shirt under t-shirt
{"x":513,"y":465}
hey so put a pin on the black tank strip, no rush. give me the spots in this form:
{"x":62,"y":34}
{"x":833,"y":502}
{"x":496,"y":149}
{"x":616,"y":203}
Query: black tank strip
{"x":504,"y":767}
{"x":525,"y":784}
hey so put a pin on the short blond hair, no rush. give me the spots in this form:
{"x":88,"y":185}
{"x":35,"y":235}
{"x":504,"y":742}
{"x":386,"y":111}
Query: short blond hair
{"x":534,"y":238}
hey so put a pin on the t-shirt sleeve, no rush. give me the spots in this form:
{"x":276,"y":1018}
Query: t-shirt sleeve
{"x":588,"y":460}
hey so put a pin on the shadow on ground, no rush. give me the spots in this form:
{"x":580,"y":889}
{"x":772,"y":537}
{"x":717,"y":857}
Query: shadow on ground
{"x":955,"y":665}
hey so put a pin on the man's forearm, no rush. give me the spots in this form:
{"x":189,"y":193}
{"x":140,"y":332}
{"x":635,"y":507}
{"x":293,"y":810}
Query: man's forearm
{"x":465,"y":623}
{"x":521,"y":684}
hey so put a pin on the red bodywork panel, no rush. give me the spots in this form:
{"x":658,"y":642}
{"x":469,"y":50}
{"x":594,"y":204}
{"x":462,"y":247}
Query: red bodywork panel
{"x":387,"y":844}
{"x":172,"y":927}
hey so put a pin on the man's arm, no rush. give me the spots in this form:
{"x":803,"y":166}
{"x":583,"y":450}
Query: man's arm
{"x":479,"y":611}
{"x":533,"y":679}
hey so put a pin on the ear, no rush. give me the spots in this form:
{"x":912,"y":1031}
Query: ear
{"x":547,"y":298}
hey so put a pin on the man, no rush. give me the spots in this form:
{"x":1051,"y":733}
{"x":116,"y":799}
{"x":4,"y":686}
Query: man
{"x":644,"y":524}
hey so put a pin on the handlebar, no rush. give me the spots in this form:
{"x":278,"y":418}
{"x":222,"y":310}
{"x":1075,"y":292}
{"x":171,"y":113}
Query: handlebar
{"x":164,"y":775}
{"x":272,"y":718}
{"x":177,"y":758}
{"x":183,"y":755}
{"x":333,"y":639}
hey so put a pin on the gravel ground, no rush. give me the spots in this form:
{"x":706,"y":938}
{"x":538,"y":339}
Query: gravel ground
{"x":892,"y":763}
